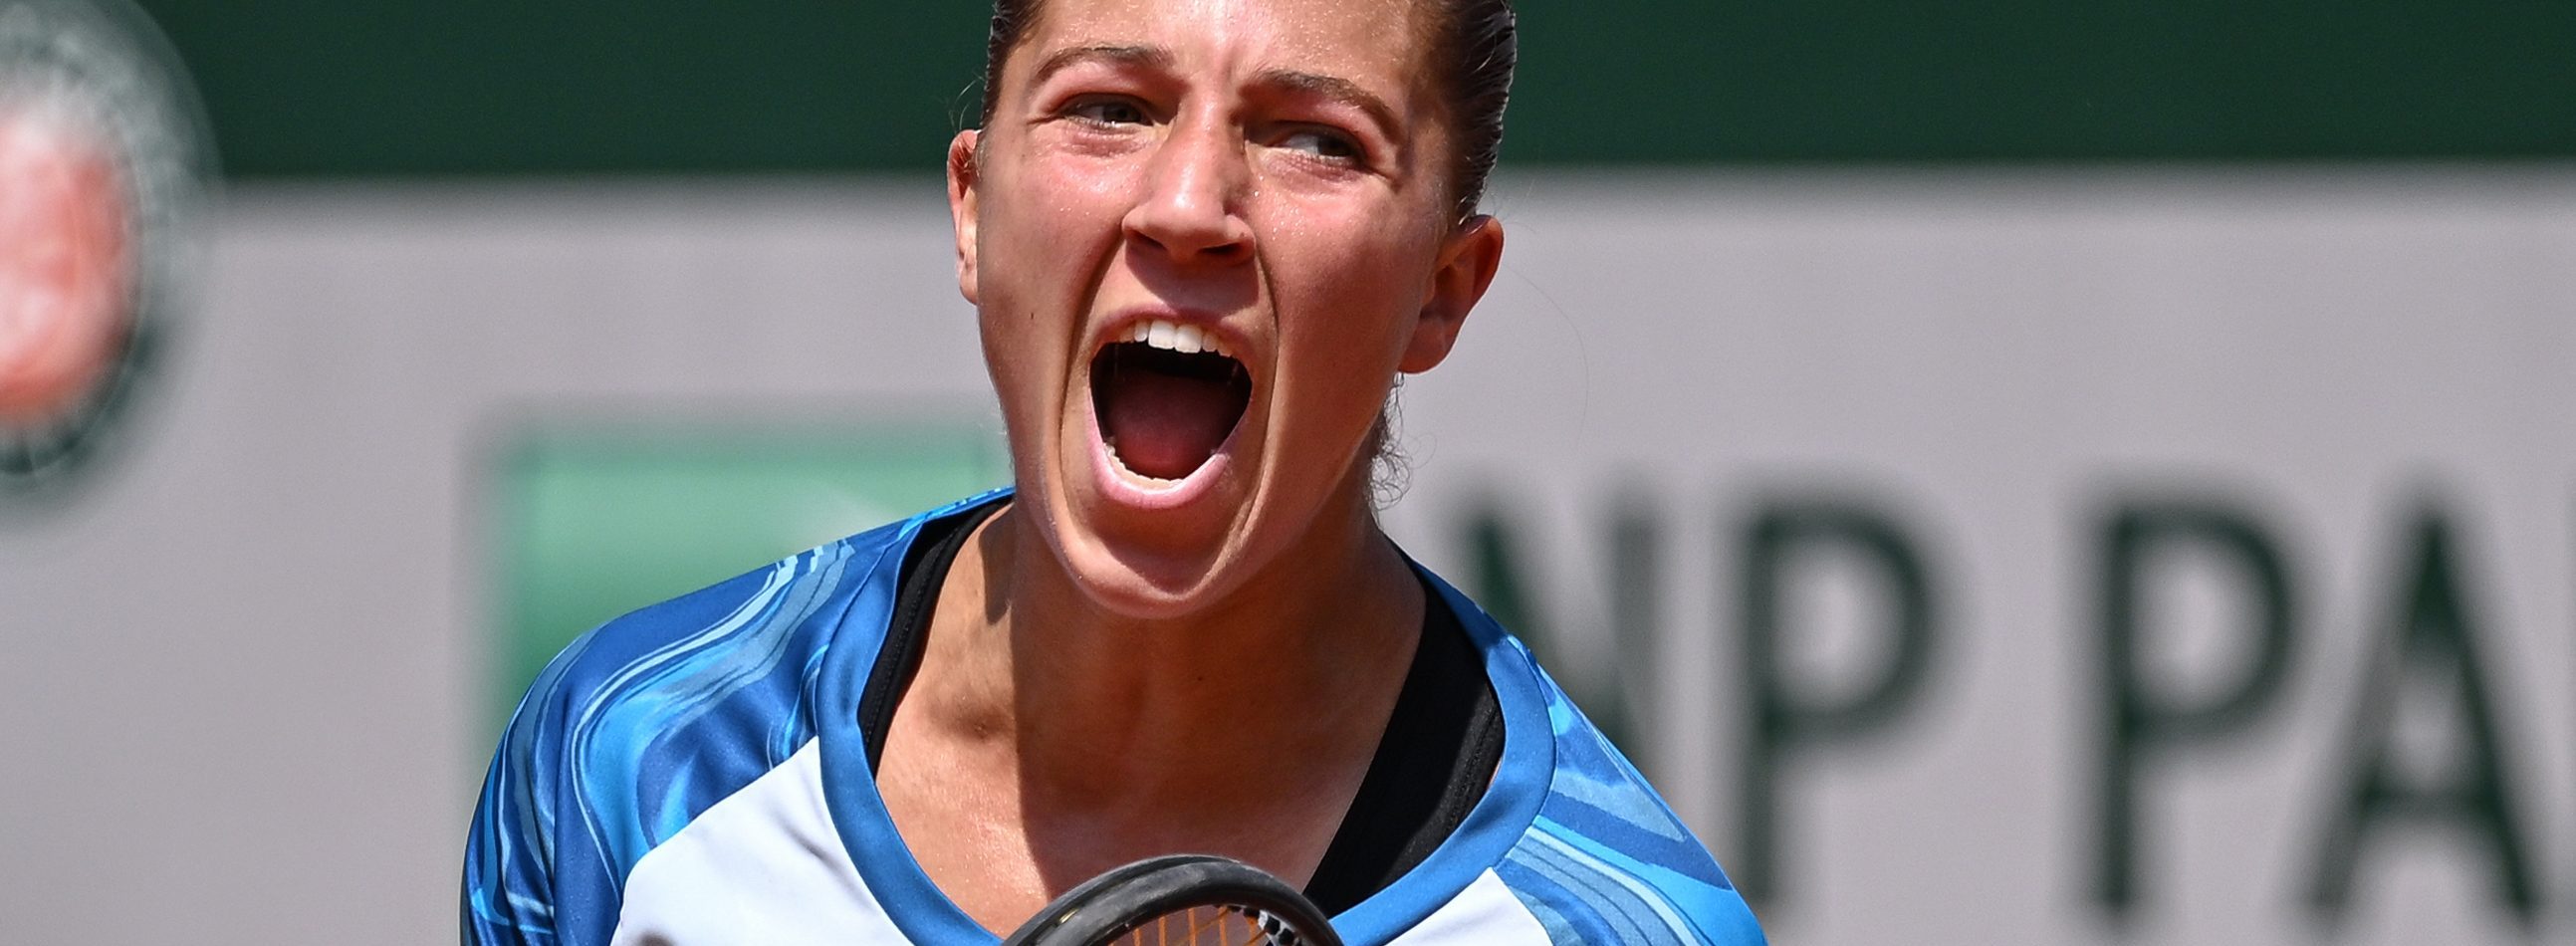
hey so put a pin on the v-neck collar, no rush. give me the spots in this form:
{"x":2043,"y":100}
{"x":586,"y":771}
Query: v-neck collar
{"x":928,"y":917}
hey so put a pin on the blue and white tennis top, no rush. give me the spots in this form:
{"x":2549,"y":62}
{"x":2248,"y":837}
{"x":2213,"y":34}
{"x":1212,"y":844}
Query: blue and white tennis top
{"x":694,"y":773}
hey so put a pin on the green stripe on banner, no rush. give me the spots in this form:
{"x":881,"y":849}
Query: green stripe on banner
{"x":304,"y":88}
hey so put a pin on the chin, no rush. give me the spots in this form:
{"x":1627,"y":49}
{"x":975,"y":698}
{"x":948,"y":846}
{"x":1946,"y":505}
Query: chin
{"x":1142,"y":580}
{"x":1144,"y":590}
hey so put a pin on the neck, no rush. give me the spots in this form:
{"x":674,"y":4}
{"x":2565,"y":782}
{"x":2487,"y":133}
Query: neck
{"x":1177,"y":721}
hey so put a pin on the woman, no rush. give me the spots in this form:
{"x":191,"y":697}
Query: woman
{"x":1204,"y":237}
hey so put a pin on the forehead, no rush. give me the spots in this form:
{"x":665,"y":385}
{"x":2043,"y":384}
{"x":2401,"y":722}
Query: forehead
{"x":1372,"y":42}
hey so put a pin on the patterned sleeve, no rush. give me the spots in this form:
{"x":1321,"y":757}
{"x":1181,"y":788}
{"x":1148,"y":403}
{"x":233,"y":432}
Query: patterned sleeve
{"x":1606,"y":861}
{"x":509,"y":888}
{"x":631,"y":732}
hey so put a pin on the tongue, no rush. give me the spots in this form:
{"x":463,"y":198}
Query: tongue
{"x":1164,"y":425}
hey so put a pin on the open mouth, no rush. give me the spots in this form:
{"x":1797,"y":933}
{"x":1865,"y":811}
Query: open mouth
{"x":1166,"y":397}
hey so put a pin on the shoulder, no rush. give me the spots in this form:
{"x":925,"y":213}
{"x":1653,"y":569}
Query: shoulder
{"x":709,"y":643}
{"x":1606,"y":860}
{"x":1603,"y":859}
{"x":651,"y":718}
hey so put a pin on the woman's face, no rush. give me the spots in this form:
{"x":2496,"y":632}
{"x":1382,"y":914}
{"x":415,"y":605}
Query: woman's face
{"x":1257,"y":190}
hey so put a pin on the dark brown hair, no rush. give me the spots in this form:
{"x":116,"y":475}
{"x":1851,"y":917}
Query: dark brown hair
{"x":1474,"y":47}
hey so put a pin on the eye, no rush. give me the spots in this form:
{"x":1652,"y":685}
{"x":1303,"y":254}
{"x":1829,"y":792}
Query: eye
{"x":1323,"y":143}
{"x":1106,"y":110}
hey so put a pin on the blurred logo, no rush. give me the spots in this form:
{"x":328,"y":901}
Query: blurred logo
{"x":103,"y":157}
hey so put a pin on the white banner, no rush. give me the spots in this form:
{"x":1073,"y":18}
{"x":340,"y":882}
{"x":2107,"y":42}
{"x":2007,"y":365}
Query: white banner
{"x":2301,"y":422}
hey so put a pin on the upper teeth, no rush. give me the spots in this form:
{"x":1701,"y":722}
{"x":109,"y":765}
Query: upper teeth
{"x":1186,"y":339}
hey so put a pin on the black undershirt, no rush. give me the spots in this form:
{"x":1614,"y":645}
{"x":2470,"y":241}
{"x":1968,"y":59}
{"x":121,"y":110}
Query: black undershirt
{"x":1440,"y":747}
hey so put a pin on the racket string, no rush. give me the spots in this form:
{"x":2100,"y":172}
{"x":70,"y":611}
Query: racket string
{"x":1213,"y":926}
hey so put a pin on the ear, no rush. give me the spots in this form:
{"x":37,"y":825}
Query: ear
{"x":1468,"y":261}
{"x":961,"y":207}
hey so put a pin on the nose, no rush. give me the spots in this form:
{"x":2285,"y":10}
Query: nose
{"x":1191,"y":205}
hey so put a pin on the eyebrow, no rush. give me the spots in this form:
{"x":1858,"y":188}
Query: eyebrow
{"x":1337,"y":89}
{"x":1154,"y":57}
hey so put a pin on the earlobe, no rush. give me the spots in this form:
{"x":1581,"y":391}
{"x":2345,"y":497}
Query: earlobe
{"x":1468,"y":261}
{"x":962,"y":209}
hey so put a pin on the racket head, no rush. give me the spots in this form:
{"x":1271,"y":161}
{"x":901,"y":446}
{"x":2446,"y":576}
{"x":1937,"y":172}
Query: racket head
{"x":1179,"y":900}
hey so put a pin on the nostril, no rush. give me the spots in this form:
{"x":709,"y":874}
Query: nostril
{"x":1218,"y":242}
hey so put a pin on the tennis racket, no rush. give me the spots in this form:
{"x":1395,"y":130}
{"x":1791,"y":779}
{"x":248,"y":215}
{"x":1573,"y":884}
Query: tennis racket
{"x":1181,"y":900}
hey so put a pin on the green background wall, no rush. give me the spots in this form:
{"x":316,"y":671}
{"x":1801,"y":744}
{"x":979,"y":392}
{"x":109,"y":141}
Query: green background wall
{"x":338,"y":88}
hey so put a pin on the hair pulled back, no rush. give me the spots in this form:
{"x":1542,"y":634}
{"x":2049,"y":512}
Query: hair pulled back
{"x":1473,"y":47}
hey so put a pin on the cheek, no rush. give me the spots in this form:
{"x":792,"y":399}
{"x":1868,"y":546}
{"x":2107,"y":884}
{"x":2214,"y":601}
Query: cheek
{"x":1043,"y":237}
{"x":1051,"y":213}
{"x":1029,"y":388}
{"x":1342,"y":345}
{"x":1350,"y":290}
{"x":1067,"y":187}
{"x":1007,"y":359}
